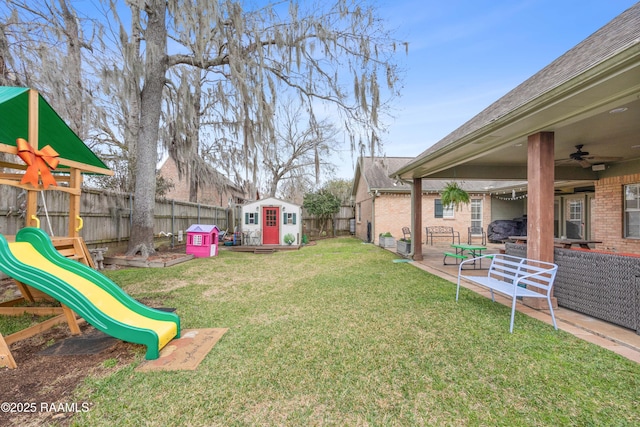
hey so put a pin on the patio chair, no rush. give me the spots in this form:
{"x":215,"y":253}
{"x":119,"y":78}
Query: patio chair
{"x":476,"y":231}
{"x":406,"y":233}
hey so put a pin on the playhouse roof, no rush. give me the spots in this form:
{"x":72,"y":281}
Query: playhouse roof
{"x":202,"y":228}
{"x":52,"y":130}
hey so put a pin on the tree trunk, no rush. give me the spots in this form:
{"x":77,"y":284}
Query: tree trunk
{"x":141,"y":240}
{"x":193,"y":127}
{"x":73,"y":68}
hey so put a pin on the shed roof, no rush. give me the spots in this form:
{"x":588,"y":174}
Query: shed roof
{"x":269,"y":201}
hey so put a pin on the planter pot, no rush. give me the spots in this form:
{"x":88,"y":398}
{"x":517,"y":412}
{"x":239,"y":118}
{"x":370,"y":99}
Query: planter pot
{"x":387,"y":242}
{"x":403,"y":247}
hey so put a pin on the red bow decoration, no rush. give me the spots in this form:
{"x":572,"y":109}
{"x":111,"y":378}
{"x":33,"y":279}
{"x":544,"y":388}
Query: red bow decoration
{"x":38,"y":163}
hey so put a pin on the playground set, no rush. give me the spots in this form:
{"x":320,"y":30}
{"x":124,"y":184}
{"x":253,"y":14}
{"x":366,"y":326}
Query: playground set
{"x":61,"y":268}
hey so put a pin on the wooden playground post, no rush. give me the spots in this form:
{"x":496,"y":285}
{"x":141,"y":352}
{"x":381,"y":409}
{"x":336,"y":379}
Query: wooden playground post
{"x":75,"y":222}
{"x":73,"y":246}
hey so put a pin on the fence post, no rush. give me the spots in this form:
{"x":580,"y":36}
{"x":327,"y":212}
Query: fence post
{"x":173,"y":221}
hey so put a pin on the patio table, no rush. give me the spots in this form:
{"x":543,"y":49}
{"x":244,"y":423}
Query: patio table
{"x":562,"y":243}
{"x":474,"y":251}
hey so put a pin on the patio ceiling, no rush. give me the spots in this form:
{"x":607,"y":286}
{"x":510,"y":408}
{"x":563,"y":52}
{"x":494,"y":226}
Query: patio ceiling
{"x":590,"y":96}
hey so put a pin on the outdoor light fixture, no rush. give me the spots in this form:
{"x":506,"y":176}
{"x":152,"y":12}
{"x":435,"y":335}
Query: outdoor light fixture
{"x":618,"y":110}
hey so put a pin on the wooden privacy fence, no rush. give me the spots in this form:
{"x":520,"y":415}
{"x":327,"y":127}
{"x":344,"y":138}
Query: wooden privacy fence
{"x":340,"y":224}
{"x":106,"y":215}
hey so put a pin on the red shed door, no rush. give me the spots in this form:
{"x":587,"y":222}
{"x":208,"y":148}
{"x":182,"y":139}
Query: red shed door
{"x":270,"y":226}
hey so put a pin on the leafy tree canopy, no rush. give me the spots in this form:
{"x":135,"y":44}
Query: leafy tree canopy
{"x":322,"y":204}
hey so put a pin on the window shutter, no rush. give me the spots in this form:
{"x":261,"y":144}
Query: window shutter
{"x":246,"y":217}
{"x":256,"y":217}
{"x":294,"y":219}
{"x":284,"y":218}
{"x":438,"y":208}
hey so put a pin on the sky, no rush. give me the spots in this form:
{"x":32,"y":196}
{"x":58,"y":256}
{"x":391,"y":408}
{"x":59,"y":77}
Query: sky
{"x":466,"y":54}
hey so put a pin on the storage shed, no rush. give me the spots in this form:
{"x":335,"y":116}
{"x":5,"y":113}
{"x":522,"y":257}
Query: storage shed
{"x":269,"y":221}
{"x":202,"y":240}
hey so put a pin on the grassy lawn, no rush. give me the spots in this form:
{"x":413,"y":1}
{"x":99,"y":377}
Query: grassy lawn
{"x":338,"y":334}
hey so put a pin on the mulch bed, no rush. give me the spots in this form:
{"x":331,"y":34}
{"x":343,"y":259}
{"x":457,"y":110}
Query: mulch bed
{"x":49,"y":371}
{"x":41,"y":389}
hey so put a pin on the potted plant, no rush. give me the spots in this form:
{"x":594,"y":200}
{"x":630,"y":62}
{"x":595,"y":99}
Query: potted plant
{"x":453,"y":194}
{"x":289,"y":238}
{"x":386,"y":240}
{"x":404,"y":246}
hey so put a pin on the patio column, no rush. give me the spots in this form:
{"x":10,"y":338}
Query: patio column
{"x":540,"y":173}
{"x":416,"y":208}
{"x":540,"y":176}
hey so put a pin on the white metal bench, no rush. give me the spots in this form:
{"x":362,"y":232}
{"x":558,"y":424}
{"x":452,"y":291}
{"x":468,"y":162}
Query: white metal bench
{"x":515,"y":277}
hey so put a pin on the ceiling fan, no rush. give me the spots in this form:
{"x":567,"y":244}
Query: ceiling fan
{"x":584,"y":159}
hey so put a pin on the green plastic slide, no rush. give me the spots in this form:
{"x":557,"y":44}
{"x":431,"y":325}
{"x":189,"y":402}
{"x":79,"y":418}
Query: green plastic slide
{"x":33,"y":260}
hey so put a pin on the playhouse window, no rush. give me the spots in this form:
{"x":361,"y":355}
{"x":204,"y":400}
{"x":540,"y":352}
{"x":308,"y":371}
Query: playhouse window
{"x":197,"y":240}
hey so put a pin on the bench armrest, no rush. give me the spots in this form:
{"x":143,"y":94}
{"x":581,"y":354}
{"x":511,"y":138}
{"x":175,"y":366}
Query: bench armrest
{"x":549,"y":283}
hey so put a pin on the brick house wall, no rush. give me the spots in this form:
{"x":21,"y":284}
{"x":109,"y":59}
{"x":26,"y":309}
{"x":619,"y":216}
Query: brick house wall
{"x":208,"y":195}
{"x":608,"y":215}
{"x":393,"y":211}
{"x":180,"y":190}
{"x":386,"y":203}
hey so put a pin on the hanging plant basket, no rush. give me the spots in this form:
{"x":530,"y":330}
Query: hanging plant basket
{"x":454,"y":195}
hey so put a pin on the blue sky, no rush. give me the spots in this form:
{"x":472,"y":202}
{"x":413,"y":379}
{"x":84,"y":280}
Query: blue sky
{"x":464,"y":55}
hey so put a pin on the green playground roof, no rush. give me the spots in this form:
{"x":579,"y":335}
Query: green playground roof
{"x":52,"y":130}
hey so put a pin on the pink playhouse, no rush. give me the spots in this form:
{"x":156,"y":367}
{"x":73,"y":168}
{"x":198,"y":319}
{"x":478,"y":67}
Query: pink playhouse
{"x":202,"y":240}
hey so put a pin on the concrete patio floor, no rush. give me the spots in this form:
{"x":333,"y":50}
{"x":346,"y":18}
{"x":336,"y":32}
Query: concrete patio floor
{"x":622,"y":341}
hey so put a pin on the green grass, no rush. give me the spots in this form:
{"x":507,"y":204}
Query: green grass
{"x":13,"y":324}
{"x":338,"y":334}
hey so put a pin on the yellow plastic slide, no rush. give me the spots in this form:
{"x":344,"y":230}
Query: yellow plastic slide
{"x":89,"y":293}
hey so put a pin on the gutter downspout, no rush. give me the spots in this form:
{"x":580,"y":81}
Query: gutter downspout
{"x":374,"y":194}
{"x":412,"y":208}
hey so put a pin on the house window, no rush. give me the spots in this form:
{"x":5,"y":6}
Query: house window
{"x":476,"y":213}
{"x":197,"y":240}
{"x":575,"y":219}
{"x":632,"y":211}
{"x":359,"y":212}
{"x":442,"y":211}
{"x":575,"y":210}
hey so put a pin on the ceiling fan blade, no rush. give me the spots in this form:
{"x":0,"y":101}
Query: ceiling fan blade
{"x":599,"y":159}
{"x":584,"y":163}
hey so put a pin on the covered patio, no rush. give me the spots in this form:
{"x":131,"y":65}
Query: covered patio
{"x":572,"y":126}
{"x":620,"y":340}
